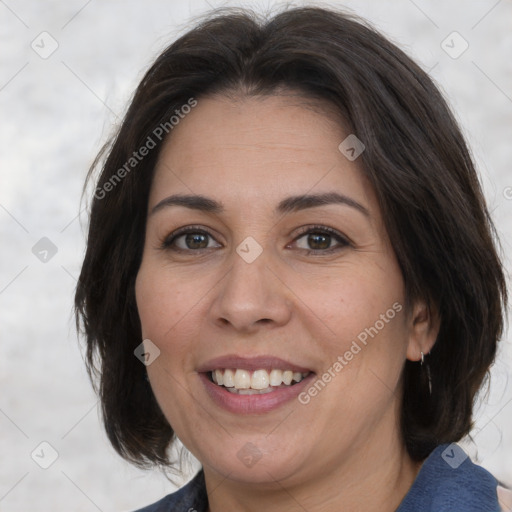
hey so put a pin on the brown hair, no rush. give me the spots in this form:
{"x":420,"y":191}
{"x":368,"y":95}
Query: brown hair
{"x":416,"y":160}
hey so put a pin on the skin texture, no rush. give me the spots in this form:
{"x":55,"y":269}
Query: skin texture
{"x":343,"y":450}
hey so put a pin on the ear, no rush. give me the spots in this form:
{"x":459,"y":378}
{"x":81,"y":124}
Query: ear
{"x":424,"y":323}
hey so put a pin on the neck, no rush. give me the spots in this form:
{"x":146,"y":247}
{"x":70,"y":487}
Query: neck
{"x":372,"y":477}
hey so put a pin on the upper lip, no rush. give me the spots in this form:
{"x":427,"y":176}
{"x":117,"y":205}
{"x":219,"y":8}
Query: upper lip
{"x":265,"y":362}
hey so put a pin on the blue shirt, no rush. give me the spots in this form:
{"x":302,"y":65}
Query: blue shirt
{"x":448,"y":481}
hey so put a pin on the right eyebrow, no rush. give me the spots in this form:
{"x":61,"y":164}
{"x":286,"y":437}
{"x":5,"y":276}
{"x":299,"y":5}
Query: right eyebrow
{"x":195,"y":202}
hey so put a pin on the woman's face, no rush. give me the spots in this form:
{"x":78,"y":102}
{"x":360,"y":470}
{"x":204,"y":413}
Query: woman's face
{"x":266,"y":288}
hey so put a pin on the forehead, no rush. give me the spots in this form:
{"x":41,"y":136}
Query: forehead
{"x":254,"y":150}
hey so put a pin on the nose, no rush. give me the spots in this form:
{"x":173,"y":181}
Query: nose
{"x":251,"y":295}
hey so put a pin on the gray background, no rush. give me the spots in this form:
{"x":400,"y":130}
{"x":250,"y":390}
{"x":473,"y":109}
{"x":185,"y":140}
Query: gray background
{"x":56,"y":112}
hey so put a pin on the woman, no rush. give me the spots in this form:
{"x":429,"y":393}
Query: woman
{"x":291,"y":268}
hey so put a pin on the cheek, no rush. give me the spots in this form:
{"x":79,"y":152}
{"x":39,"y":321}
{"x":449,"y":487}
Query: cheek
{"x":365,"y":348}
{"x":149,"y":304}
{"x":162,"y":307}
{"x":160,"y":302}
{"x":169,"y":306}
{"x":356,"y":300}
{"x":363,"y":312}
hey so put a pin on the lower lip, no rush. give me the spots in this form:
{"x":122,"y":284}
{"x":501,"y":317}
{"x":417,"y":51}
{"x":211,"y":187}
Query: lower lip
{"x":258,"y":403}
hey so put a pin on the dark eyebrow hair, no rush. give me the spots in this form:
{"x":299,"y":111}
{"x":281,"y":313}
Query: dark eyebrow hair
{"x":288,"y":205}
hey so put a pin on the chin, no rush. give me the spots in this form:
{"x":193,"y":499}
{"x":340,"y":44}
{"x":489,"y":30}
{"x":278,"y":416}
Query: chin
{"x":256,"y":463}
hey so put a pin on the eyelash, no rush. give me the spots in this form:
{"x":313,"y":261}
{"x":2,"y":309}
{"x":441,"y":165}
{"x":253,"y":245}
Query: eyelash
{"x":168,"y":242}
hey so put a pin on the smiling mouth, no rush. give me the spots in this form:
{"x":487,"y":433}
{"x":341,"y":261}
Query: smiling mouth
{"x":245,"y":382}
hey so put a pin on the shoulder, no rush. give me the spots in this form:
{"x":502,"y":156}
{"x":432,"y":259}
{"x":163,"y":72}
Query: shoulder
{"x":191,"y":497}
{"x":449,"y":480}
{"x":505,"y":498}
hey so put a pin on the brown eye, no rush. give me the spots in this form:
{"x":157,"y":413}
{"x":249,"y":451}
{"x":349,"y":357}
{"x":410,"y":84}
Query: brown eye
{"x":319,"y":239}
{"x":195,"y":241}
{"x":188,"y":239}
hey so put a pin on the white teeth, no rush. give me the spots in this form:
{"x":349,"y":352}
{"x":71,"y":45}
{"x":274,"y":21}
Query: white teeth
{"x":229,"y":378}
{"x":260,"y":381}
{"x":276,"y":377}
{"x":251,"y":391}
{"x":287,"y":377}
{"x":242,"y":379}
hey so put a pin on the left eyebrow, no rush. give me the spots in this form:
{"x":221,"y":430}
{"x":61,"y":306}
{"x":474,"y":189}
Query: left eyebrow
{"x":287,"y":205}
{"x":296,"y":203}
